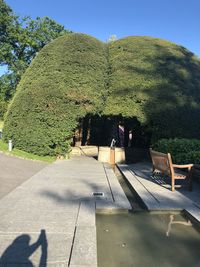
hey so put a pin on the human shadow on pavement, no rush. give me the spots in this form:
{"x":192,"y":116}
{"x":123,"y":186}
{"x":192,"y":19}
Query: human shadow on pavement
{"x":19,"y":252}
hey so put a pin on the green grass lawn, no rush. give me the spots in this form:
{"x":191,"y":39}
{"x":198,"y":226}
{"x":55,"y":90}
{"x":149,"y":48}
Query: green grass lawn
{"x":23,"y":154}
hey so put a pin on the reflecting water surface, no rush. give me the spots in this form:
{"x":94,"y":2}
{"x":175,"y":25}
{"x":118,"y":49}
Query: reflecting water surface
{"x":144,"y":239}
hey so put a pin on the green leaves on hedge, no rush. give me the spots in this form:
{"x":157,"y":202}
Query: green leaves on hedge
{"x":150,"y":79}
{"x":64,"y":82}
{"x":183,"y":151}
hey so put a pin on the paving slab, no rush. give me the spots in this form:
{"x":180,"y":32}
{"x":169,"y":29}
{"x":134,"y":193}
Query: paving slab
{"x":52,"y":214}
{"x":86,"y":215}
{"x":119,"y":198}
{"x":31,"y":247}
{"x":149,"y":200}
{"x":85,"y":247}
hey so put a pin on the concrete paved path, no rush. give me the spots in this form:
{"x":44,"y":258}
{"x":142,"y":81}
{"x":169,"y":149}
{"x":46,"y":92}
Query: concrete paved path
{"x":14,"y":171}
{"x":49,"y":220}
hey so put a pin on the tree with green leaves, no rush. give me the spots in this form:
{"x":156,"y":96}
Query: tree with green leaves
{"x":20,"y":40}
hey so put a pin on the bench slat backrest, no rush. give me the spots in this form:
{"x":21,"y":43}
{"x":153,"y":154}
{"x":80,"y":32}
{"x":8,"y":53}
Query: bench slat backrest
{"x":162,"y":162}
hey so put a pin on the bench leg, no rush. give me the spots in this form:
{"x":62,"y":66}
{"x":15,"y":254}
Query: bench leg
{"x":173,"y":184}
{"x":190,"y":176}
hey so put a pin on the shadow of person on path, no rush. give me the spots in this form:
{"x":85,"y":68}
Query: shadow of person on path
{"x":20,"y":251}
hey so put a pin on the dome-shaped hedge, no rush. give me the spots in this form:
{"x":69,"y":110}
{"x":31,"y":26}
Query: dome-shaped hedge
{"x":158,"y":82}
{"x":65,"y":81}
{"x":151,"y":79}
{"x":149,"y":74}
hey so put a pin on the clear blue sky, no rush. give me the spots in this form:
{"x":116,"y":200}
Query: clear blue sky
{"x":174,"y":20}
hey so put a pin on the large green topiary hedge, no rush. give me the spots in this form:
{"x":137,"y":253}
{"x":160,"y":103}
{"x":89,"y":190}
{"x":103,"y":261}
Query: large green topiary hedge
{"x":150,"y":79}
{"x":158,"y":82}
{"x":65,"y":81}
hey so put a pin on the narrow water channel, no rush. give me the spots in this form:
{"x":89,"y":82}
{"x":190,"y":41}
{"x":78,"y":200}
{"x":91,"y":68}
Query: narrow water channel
{"x":144,"y":239}
{"x":134,"y":200}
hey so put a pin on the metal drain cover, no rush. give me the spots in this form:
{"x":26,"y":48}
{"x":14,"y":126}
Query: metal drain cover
{"x":98,"y":194}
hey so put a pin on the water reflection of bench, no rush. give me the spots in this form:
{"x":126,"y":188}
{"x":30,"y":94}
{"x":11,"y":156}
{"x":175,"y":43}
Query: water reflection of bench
{"x":172,"y":221}
{"x":162,"y":163}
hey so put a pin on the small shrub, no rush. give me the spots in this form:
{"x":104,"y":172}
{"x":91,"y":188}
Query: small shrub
{"x":183,"y":151}
{"x":189,"y":157}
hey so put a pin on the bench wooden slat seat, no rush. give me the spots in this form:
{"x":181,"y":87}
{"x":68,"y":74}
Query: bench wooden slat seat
{"x":163,"y":163}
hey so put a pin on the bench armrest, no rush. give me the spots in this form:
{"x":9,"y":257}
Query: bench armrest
{"x":185,"y":166}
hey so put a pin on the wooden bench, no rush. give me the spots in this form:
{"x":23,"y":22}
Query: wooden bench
{"x":163,"y":163}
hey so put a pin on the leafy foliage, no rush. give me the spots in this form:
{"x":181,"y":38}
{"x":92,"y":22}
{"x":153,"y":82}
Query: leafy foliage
{"x":150,"y":79}
{"x":158,"y":82}
{"x":182,"y":150}
{"x":64,"y":83}
{"x":20,"y":40}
